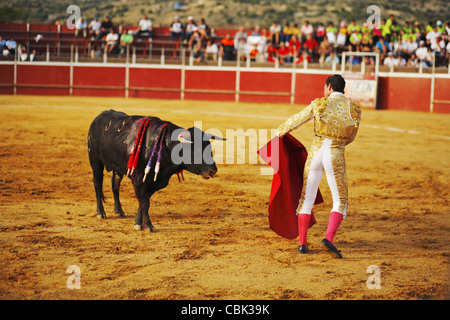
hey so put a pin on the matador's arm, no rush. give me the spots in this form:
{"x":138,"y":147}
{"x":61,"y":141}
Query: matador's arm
{"x":295,"y":121}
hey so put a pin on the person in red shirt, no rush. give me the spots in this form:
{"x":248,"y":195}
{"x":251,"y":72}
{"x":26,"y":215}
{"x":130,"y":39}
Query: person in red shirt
{"x":285,"y":53}
{"x":311,"y":45}
{"x":271,"y":51}
{"x":295,"y":45}
{"x":227,"y":47}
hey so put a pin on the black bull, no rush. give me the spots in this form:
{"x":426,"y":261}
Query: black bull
{"x":111,"y":140}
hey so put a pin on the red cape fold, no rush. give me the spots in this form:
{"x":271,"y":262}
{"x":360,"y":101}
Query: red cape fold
{"x":286,"y":184}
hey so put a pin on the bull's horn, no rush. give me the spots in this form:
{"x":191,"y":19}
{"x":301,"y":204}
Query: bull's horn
{"x":211,"y":136}
{"x":182,"y":139}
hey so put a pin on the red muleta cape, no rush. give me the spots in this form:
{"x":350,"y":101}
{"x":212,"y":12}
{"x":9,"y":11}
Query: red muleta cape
{"x":287,"y":184}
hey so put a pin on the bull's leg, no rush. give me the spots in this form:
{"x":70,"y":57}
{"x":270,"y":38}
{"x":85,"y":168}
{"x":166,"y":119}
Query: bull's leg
{"x":146,"y":222}
{"x":142,"y":218}
{"x":138,"y":220}
{"x":97,"y":170}
{"x":115,"y":181}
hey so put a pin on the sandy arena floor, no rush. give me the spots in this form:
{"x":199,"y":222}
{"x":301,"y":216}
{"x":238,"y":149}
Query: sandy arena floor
{"x":213,"y":239}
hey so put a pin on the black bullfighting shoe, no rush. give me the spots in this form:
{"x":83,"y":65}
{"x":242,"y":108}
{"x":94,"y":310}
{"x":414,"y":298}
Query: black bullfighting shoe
{"x":328,"y":246}
{"x":303,"y":249}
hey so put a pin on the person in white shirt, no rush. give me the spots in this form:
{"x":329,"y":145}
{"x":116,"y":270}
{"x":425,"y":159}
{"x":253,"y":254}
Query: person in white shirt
{"x":389,"y":60}
{"x":112,"y":40}
{"x":212,"y":50}
{"x":306,"y":30}
{"x":94,"y":27}
{"x":410,"y":46}
{"x":176,"y":29}
{"x":191,"y":28}
{"x":275,"y":32}
{"x":81,"y":27}
{"x":424,"y":55}
{"x":145,"y":28}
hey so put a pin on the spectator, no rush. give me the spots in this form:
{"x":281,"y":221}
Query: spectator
{"x":275,"y":33}
{"x":176,"y":29}
{"x":353,"y":27}
{"x":331,"y":32}
{"x":266,"y":34}
{"x":126,"y":40}
{"x":202,"y":25}
{"x":447,"y":29}
{"x":145,"y":28}
{"x":325,"y":48}
{"x":2,"y":42}
{"x":296,"y":31}
{"x":306,"y":30}
{"x":227,"y":48}
{"x":413,"y":61}
{"x":332,"y":57}
{"x":256,"y":31}
{"x":254,"y":53}
{"x":5,"y":51}
{"x":11,"y":45}
{"x":211,"y":51}
{"x":111,"y":42}
{"x":295,"y":45}
{"x":311,"y":46}
{"x":354,"y":39}
{"x":320,"y":33}
{"x":422,"y":54}
{"x":410,"y":46}
{"x":385,"y":30}
{"x":105,"y":28}
{"x":304,"y":57}
{"x":240,"y":36}
{"x":191,"y":27}
{"x":200,"y":46}
{"x":94,"y":28}
{"x":271,"y":52}
{"x":341,"y":39}
{"x":382,"y":47}
{"x":287,"y":32}
{"x":285,"y":53}
{"x":81,"y":28}
{"x":23,"y":54}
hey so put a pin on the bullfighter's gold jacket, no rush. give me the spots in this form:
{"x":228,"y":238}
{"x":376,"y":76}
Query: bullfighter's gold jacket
{"x":335,"y":118}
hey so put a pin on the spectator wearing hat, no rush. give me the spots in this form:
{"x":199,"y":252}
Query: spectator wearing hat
{"x":94,"y":28}
{"x":423,"y":54}
{"x":191,"y":27}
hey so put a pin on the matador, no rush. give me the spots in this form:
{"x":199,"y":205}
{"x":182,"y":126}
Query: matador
{"x":336,"y":122}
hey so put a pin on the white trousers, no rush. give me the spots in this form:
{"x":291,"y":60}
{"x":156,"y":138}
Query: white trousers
{"x":329,"y":157}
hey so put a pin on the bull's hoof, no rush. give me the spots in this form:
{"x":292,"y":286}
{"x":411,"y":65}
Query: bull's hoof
{"x":101,"y":216}
{"x":120,"y":215}
{"x":149,"y":229}
{"x":138,"y":227}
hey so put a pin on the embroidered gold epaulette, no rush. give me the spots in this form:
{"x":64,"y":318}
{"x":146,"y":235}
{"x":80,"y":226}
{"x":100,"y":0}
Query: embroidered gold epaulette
{"x":321,"y":105}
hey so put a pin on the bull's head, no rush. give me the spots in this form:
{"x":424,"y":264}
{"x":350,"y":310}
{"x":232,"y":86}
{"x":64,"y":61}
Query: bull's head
{"x":194,"y":151}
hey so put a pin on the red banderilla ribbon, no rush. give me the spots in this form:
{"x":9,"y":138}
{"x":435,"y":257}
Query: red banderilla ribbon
{"x":134,"y":156}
